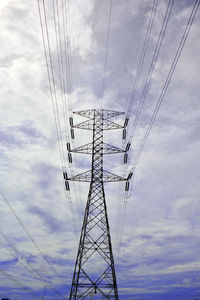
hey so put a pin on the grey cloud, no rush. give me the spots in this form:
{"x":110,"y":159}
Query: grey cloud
{"x":44,"y":177}
{"x":160,"y":240}
{"x":20,"y":135}
{"x":51,"y":222}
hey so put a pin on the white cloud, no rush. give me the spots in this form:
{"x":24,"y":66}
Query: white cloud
{"x":161,"y":232}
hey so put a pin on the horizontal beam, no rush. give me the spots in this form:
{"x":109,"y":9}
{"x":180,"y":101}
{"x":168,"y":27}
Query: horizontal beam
{"x":87,"y":149}
{"x":106,"y":114}
{"x":89,"y":124}
{"x":86,"y":177}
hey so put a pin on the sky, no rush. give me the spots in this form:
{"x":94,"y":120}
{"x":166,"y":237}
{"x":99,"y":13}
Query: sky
{"x":155,"y":227}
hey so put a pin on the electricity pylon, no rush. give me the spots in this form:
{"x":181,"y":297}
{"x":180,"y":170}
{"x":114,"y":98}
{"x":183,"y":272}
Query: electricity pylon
{"x":94,"y":271}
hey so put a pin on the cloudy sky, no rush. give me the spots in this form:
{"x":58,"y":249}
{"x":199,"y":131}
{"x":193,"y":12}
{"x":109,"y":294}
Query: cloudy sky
{"x":155,"y":228}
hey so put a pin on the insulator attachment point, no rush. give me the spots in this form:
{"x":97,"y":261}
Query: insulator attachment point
{"x":127,"y":186}
{"x":126,"y":122}
{"x":68,"y":147}
{"x":125,"y":158}
{"x":124,"y":134}
{"x":128,"y":146}
{"x":130,"y":175}
{"x":71,"y":123}
{"x":69,"y":157}
{"x":67,"y":185}
{"x":72,"y":133}
{"x":65,"y":175}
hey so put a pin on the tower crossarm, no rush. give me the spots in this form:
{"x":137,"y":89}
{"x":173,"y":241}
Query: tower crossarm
{"x":107,"y":149}
{"x":107,"y":114}
{"x":106,"y":125}
{"x":106,"y":177}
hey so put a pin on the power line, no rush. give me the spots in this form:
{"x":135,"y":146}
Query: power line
{"x":24,"y":288}
{"x":59,"y":57}
{"x":52,"y":88}
{"x":48,"y":57}
{"x":167,"y":81}
{"x":61,"y":73}
{"x":67,"y":58}
{"x":106,"y":53}
{"x":142,"y":57}
{"x":136,"y":54}
{"x":164,"y":89}
{"x":29,"y":236}
{"x":50,"y":69}
{"x":67,"y":72}
{"x":27,"y":266}
{"x":66,"y":26}
{"x":130,"y":106}
{"x":133,"y":87}
{"x":53,"y":81}
{"x":68,"y":67}
{"x":138,"y":73}
{"x":153,"y":62}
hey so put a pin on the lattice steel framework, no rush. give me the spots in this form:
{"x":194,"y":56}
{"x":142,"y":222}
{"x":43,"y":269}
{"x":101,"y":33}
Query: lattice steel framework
{"x":94,"y":271}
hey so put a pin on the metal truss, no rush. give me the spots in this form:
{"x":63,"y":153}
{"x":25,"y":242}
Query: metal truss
{"x":107,"y":125}
{"x":94,"y":271}
{"x":106,"y":177}
{"x":107,"y":149}
{"x":107,"y":114}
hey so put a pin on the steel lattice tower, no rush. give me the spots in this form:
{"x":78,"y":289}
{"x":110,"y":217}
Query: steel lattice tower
{"x":94,"y":271}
